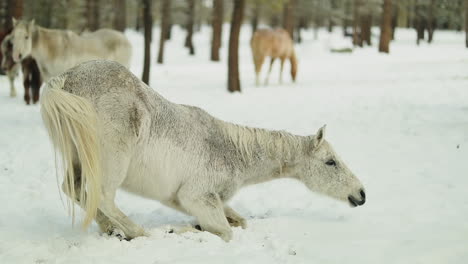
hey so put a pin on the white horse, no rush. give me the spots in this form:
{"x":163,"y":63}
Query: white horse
{"x":58,"y":50}
{"x":112,"y":131}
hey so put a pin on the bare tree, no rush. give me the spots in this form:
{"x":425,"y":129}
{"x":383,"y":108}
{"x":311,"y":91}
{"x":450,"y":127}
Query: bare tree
{"x":93,"y":14}
{"x":8,"y":9}
{"x":148,"y":24}
{"x":165,"y":11}
{"x":255,"y":15}
{"x":217,"y":22}
{"x":419,"y":22}
{"x":430,"y":21}
{"x":190,"y":21}
{"x":233,"y":58}
{"x":120,"y":18}
{"x":386,"y":27}
{"x":357,"y":39}
{"x":289,"y":16}
{"x":366,"y":24}
{"x":466,"y":23}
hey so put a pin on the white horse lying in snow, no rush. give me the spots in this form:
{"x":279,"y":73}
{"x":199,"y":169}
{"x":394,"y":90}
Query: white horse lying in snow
{"x":113,"y":131}
{"x":58,"y":50}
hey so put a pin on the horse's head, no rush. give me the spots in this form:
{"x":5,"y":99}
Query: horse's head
{"x":6,"y":48}
{"x":22,"y":38}
{"x":324,"y":172}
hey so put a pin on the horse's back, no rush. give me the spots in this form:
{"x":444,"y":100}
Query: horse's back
{"x":115,"y":44}
{"x":274,"y":43}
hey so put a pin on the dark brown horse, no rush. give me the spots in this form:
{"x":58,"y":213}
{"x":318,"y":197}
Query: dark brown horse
{"x":31,"y":75}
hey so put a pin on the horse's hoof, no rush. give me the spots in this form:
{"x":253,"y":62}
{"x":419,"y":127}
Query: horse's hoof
{"x":118,"y":234}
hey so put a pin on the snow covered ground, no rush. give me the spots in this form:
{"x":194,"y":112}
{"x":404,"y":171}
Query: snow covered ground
{"x":400,"y":121}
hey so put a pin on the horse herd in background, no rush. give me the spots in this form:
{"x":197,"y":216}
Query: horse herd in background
{"x":43,"y":53}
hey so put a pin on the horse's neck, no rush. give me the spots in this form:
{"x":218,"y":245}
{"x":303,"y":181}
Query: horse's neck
{"x":265,"y":154}
{"x":47,"y":44}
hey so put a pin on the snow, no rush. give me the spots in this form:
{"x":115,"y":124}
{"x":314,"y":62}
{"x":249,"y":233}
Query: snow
{"x":400,"y":121}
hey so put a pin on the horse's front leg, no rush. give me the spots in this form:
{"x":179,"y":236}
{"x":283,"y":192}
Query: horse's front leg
{"x":209,"y":211}
{"x":27,"y":85}
{"x":234,"y":218}
{"x":281,"y":71}
{"x":11,"y":78}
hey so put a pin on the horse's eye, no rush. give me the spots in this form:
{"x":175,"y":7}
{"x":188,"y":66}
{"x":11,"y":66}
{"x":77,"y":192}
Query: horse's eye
{"x":331,"y":163}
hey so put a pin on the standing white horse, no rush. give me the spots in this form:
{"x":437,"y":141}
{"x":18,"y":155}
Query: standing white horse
{"x":58,"y":50}
{"x":113,"y":131}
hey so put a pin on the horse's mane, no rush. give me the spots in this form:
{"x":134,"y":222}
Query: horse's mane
{"x":279,"y":144}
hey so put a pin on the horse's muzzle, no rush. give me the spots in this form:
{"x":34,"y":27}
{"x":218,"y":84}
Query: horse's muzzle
{"x":355,"y":202}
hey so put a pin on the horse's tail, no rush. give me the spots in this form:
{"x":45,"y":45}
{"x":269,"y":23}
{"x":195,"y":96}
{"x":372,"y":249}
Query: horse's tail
{"x":71,"y":122}
{"x":293,"y":60}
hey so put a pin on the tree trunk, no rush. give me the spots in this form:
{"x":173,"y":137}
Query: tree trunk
{"x":148,"y":24}
{"x":402,"y":13}
{"x":289,"y":17}
{"x":120,"y":18}
{"x":347,"y":14}
{"x":386,"y":27}
{"x":255,"y":17}
{"x":8,"y":10}
{"x":430,"y":21}
{"x":190,"y":21}
{"x":357,"y":38}
{"x":394,"y":20}
{"x":233,"y":58}
{"x":166,"y":7}
{"x":419,"y":23}
{"x":139,"y":17}
{"x":299,"y":27}
{"x":366,"y":23}
{"x":274,"y":21}
{"x":93,"y":15}
{"x":466,"y":23}
{"x":218,"y":14}
{"x":169,"y":24}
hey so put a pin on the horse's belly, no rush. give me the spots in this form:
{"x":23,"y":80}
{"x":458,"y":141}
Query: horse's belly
{"x":152,"y":175}
{"x":148,"y":183}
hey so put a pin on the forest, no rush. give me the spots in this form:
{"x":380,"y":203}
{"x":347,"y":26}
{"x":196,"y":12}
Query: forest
{"x":233,"y":131}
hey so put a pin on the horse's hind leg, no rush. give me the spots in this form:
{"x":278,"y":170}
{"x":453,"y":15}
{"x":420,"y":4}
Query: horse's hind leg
{"x":114,"y":173}
{"x":209,"y":211}
{"x":234,"y":218}
{"x":269,"y":70}
{"x":105,"y":224}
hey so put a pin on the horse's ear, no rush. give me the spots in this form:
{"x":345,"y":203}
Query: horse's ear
{"x":14,"y":21}
{"x":318,"y":138}
{"x":31,"y":25}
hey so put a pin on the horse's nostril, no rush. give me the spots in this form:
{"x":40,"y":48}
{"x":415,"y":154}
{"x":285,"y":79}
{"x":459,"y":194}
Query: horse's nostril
{"x":363,"y":194}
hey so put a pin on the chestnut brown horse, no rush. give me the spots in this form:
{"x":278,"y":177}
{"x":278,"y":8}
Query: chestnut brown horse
{"x":31,"y":75}
{"x":273,"y":43}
